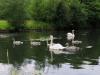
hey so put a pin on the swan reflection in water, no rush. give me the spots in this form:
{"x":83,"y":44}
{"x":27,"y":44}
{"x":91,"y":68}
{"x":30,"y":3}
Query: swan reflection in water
{"x":67,"y":50}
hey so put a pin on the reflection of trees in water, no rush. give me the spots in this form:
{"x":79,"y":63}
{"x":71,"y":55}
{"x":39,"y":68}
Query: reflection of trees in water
{"x":28,"y":67}
{"x":6,"y":69}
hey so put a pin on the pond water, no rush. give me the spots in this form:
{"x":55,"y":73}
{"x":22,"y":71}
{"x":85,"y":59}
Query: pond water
{"x":26,"y":59}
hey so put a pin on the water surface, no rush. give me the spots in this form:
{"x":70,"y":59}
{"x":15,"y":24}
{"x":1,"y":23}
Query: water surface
{"x":38,"y":60}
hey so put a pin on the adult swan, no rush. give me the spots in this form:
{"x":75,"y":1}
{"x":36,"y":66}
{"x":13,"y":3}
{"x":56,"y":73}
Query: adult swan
{"x":71,"y":36}
{"x":53,"y":46}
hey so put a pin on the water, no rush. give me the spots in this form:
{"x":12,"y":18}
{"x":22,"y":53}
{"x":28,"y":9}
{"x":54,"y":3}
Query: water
{"x":38,"y":60}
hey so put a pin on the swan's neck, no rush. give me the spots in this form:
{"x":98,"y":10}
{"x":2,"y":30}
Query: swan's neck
{"x":72,"y":31}
{"x":51,"y":41}
{"x":47,"y":43}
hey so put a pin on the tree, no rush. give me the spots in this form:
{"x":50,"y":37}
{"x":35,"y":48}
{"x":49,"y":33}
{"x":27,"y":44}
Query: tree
{"x":14,"y":12}
{"x":62,"y":16}
{"x":94,"y":13}
{"x":43,"y":10}
{"x":79,"y":14}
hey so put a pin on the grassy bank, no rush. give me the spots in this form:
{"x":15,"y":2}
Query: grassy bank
{"x":4,"y":25}
{"x":29,"y":25}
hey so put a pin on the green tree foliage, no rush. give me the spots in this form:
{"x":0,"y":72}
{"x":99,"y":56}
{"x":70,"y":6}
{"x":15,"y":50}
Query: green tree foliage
{"x":43,"y":10}
{"x":79,"y":14}
{"x":60,"y":13}
{"x":94,"y":13}
{"x":14,"y":12}
{"x":63,"y":13}
{"x":93,"y":7}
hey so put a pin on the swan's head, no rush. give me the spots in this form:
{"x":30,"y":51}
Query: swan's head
{"x":51,"y":36}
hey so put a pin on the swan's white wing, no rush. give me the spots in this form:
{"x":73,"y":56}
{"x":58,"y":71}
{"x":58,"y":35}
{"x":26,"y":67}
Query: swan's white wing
{"x":70,"y":36}
{"x":57,"y":46}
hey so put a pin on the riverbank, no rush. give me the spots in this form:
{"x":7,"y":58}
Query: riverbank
{"x":32,"y":25}
{"x":37,"y":25}
{"x":29,"y":25}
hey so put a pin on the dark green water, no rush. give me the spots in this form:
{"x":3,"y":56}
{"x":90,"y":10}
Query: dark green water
{"x":36,"y":60}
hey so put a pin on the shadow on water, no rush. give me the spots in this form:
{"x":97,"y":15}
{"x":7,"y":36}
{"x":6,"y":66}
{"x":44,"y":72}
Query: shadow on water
{"x":27,"y":60}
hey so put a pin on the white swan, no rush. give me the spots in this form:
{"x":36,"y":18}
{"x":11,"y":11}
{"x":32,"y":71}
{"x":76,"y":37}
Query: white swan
{"x":4,"y":35}
{"x":54,"y":46}
{"x":17,"y":42}
{"x":71,"y":36}
{"x":34,"y":43}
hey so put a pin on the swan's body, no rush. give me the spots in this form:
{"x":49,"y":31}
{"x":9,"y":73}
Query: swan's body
{"x":71,"y":36}
{"x":35,"y":43}
{"x":3,"y":36}
{"x":54,"y":46}
{"x":17,"y":42}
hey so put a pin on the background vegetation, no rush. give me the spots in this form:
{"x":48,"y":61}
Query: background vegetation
{"x":56,"y":14}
